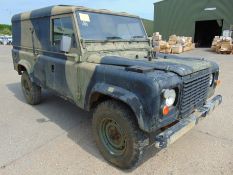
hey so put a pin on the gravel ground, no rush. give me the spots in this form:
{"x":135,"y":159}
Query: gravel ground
{"x":55,"y":137}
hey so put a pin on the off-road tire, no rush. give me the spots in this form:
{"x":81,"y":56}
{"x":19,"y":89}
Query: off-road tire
{"x":31,"y":91}
{"x":134,"y":137}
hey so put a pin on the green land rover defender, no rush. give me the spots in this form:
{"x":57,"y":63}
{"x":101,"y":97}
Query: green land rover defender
{"x":103,"y":62}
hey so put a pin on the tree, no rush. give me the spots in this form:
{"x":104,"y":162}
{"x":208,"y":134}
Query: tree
{"x":5,"y":29}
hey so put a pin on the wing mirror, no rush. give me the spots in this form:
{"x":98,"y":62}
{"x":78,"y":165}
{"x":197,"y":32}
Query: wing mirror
{"x":65,"y":44}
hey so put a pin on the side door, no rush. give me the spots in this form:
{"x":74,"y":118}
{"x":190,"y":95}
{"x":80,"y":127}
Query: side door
{"x":61,"y":68}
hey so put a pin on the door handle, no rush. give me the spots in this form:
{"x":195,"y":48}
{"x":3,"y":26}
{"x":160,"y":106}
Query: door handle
{"x":52,"y":68}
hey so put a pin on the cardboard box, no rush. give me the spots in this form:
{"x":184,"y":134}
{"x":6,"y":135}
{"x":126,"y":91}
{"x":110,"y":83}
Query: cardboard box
{"x":173,"y":37}
{"x":229,"y":43}
{"x":157,"y":37}
{"x":186,"y":48}
{"x":156,"y":49}
{"x":218,"y":46}
{"x":162,"y":44}
{"x":222,"y":44}
{"x":165,"y":45}
{"x":189,"y":39}
{"x":226,"y":47}
{"x":166,"y":51}
{"x":177,"y":49}
{"x":181,"y":40}
{"x":172,"y":42}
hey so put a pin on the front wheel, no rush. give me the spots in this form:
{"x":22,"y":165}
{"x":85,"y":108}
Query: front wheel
{"x":31,"y":91}
{"x":117,"y":134}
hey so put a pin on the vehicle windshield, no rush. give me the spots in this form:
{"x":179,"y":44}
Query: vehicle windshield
{"x":96,"y":26}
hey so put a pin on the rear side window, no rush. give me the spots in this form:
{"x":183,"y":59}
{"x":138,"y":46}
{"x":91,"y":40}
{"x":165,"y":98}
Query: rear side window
{"x":63,"y":26}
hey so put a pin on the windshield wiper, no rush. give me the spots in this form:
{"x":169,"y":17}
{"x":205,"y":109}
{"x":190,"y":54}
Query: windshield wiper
{"x":113,"y":37}
{"x":137,"y":36}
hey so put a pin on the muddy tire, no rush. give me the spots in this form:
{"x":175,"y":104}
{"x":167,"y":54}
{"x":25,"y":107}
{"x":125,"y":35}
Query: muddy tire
{"x":31,"y":91}
{"x":117,"y":134}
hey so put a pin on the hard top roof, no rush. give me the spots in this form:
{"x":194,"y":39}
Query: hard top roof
{"x":61,"y":9}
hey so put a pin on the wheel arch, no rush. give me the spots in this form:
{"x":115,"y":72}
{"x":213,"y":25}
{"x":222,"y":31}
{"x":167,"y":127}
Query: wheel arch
{"x":102,"y":92}
{"x":24,"y":65}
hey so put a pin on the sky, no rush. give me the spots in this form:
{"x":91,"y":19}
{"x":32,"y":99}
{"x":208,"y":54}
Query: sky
{"x":142,"y":8}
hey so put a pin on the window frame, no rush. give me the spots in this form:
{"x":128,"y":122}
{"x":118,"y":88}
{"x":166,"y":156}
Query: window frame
{"x":94,"y":40}
{"x":73,"y":49}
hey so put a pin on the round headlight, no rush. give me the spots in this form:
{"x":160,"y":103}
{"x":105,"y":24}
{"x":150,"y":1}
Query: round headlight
{"x":211,"y":79}
{"x":170,"y":97}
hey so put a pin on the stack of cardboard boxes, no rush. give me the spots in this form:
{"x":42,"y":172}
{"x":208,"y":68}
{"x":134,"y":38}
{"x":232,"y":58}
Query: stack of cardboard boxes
{"x":160,"y":45}
{"x":180,"y":44}
{"x":188,"y":45}
{"x":175,"y":44}
{"x":222,"y":45}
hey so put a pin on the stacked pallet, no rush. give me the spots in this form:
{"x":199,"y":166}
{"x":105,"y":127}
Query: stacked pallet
{"x":160,"y":45}
{"x":188,"y":45}
{"x":180,"y":44}
{"x":175,"y":44}
{"x":222,"y":45}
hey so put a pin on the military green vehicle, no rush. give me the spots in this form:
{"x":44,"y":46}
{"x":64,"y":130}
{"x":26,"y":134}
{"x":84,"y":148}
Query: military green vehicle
{"x":102,"y":62}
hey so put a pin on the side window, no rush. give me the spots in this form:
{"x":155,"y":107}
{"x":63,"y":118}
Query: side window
{"x":62,"y":26}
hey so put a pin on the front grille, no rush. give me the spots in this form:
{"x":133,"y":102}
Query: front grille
{"x":194,"y":93}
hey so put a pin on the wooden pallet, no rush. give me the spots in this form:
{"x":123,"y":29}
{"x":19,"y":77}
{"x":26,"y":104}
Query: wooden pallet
{"x":225,"y":52}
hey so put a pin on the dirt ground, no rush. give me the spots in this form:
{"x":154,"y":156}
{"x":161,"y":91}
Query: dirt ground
{"x":55,"y":137}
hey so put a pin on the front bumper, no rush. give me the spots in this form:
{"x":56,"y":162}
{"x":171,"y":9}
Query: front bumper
{"x":175,"y":132}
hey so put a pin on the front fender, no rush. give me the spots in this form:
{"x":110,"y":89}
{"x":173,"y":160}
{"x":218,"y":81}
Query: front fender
{"x":124,"y":96}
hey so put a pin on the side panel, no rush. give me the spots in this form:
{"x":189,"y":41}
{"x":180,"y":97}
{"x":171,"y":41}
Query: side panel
{"x":29,"y":36}
{"x":47,"y":66}
{"x":58,"y":74}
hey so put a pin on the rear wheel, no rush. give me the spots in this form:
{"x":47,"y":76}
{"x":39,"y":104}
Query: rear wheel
{"x":117,"y":134}
{"x":31,"y":91}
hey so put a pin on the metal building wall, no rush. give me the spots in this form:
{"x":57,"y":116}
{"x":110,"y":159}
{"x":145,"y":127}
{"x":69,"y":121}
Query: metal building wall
{"x":179,"y":16}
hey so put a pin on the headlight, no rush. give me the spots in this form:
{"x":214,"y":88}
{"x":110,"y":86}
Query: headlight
{"x":211,"y":79}
{"x":169,"y":96}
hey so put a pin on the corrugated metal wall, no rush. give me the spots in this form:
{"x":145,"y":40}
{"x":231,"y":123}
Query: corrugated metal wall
{"x":179,"y":16}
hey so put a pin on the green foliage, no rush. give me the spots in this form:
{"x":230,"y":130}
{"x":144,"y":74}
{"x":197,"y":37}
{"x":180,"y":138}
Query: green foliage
{"x":5,"y":29}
